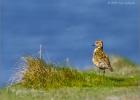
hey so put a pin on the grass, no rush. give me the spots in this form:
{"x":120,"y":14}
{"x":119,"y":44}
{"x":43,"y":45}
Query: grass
{"x":41,"y":81}
{"x":72,"y":93}
{"x":41,"y":75}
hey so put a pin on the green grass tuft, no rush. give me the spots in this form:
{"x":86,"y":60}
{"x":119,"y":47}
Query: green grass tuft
{"x":42,"y":75}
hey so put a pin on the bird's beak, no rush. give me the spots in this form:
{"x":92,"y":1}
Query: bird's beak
{"x":93,"y":45}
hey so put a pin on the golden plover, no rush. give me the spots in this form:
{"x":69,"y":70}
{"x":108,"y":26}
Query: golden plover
{"x":100,"y":59}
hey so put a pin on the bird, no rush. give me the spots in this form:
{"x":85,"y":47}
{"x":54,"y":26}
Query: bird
{"x":100,"y":58}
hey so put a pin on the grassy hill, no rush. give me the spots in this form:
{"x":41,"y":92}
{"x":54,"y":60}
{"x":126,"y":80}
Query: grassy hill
{"x":45,"y":81}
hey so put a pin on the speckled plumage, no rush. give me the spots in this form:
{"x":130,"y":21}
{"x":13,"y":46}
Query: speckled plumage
{"x":100,"y":59}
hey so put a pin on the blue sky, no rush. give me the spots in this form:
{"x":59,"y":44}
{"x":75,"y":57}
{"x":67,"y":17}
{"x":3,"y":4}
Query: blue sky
{"x":66,"y":28}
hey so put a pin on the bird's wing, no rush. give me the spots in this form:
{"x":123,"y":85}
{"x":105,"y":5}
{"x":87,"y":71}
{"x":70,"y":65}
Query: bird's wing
{"x":105,"y":60}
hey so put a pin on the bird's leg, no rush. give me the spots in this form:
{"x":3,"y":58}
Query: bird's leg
{"x":99,"y":71}
{"x":103,"y":72}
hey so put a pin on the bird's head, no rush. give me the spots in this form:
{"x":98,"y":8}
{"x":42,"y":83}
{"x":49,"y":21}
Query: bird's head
{"x":98,"y":44}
